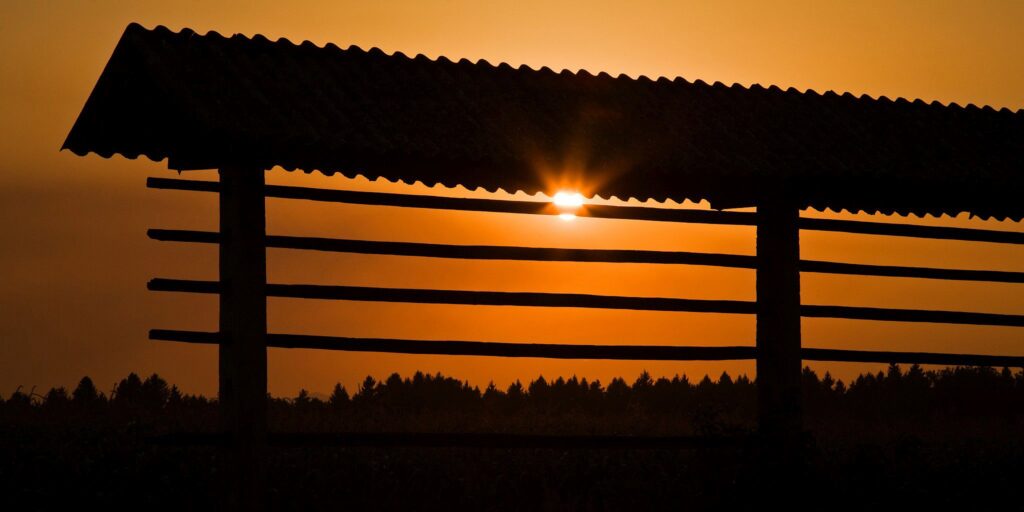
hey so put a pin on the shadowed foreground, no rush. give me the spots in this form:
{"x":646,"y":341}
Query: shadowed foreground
{"x":948,"y":438}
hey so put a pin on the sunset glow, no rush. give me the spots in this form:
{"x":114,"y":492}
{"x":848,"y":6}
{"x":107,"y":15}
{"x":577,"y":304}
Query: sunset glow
{"x":568,"y":203}
{"x":568,"y":200}
{"x":68,"y":214}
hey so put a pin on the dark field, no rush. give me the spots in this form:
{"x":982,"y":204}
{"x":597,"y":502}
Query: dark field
{"x":898,"y":439}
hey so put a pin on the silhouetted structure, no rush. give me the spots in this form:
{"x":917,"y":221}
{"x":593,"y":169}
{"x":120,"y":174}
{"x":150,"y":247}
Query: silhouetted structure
{"x":244,"y":105}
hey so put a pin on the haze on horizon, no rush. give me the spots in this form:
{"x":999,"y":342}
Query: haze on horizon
{"x":75,"y":258}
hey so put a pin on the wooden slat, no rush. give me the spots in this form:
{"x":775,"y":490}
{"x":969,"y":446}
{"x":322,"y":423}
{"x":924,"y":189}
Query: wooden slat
{"x":573,"y":300}
{"x":459,"y":440}
{"x":829,"y":267}
{"x":912,"y":230}
{"x":605,"y":211}
{"x":867,"y":356}
{"x":613,"y":352}
{"x":476,"y":252}
{"x":911,"y":315}
{"x":184,"y":235}
{"x":477,"y":348}
{"x":487,"y":298}
{"x":199,"y":337}
{"x":179,"y":184}
{"x":477,"y":205}
{"x":491,"y":252}
{"x":473,"y":298}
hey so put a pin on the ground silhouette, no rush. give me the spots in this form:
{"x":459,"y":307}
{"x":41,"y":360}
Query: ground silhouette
{"x":946,"y":437}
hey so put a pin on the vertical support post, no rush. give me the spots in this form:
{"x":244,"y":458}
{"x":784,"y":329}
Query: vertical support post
{"x":778,"y":324}
{"x":243,"y":328}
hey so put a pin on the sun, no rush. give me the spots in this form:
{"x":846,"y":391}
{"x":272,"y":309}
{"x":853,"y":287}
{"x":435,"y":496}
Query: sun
{"x":568,"y":203}
{"x":564,"y":199}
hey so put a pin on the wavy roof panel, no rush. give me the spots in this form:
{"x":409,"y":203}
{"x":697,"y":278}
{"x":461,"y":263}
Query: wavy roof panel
{"x":208,"y":101}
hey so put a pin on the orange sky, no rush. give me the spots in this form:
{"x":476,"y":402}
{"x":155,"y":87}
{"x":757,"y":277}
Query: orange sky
{"x":74,"y":258}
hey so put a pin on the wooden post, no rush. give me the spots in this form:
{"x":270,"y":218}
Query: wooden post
{"x":778,"y":325}
{"x":243,"y":327}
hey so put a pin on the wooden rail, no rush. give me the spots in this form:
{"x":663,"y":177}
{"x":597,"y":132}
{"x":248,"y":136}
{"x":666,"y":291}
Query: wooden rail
{"x":492,"y":252}
{"x":564,"y":351}
{"x":886,"y":357}
{"x":912,"y":230}
{"x":472,"y":298}
{"x":478,"y":348}
{"x":576,"y":300}
{"x":603,"y":211}
{"x":911,"y":315}
{"x":467,"y":204}
{"x":857,"y":269}
{"x":474,"y":252}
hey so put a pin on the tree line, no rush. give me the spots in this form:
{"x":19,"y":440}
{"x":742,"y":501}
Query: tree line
{"x":707,"y":404}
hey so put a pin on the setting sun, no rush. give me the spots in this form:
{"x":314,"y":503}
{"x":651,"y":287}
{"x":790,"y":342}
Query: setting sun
{"x":568,"y":203}
{"x":567,"y":200}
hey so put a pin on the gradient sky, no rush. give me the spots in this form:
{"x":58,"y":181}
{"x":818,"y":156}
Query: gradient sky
{"x":74,"y":258}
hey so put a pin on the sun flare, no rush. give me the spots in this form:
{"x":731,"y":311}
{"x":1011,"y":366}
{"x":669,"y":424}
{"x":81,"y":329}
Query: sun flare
{"x":567,"y":200}
{"x":567,"y":203}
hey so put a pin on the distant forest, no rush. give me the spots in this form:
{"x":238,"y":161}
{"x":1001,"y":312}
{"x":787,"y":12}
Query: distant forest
{"x":902,"y":438}
{"x":645,"y":406}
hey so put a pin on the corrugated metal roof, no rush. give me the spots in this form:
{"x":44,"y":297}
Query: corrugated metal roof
{"x":206,"y":101}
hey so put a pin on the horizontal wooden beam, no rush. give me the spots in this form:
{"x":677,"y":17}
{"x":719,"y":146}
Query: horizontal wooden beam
{"x":885,"y":357}
{"x":991,"y":276}
{"x":488,"y":298}
{"x":198,"y":337}
{"x":476,"y":205}
{"x":459,"y":440}
{"x":471,"y":298}
{"x":478,"y":348}
{"x":575,"y":300}
{"x":910,"y":315}
{"x":912,"y":230}
{"x":612,"y":352}
{"x":492,"y":252}
{"x":473,"y":252}
{"x":604,"y":211}
{"x":179,"y":184}
{"x":184,"y":235}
